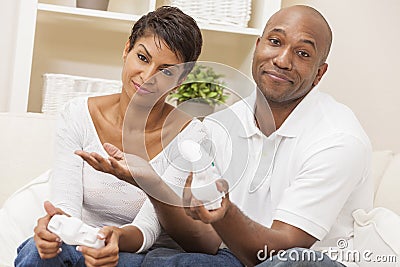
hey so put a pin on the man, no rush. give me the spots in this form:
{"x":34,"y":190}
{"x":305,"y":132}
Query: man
{"x":315,"y":171}
{"x":320,"y":171}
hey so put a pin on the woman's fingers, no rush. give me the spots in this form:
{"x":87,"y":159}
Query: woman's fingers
{"x":113,"y":151}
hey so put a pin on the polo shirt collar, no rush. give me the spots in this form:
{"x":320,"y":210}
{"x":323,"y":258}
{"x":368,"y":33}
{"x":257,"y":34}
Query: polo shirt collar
{"x":245,"y":112}
{"x":294,"y":123}
{"x":290,"y":127}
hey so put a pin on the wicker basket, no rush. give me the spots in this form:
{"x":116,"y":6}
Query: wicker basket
{"x":223,"y":12}
{"x":60,"y":88}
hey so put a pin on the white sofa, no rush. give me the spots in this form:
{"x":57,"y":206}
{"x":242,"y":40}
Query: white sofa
{"x":27,"y":144}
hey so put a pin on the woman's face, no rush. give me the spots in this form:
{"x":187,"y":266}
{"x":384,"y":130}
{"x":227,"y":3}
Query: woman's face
{"x":150,"y":70}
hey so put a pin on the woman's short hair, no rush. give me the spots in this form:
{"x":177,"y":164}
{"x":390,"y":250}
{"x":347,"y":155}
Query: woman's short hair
{"x":170,"y":25}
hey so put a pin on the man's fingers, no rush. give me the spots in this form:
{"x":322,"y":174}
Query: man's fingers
{"x":189,"y":180}
{"x":222,"y":186}
{"x":187,"y":191}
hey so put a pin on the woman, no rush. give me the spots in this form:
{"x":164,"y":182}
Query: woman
{"x":158,"y":43}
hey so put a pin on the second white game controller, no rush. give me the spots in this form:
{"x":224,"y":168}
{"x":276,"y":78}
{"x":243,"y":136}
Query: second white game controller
{"x":73,"y":231}
{"x":203,"y":184}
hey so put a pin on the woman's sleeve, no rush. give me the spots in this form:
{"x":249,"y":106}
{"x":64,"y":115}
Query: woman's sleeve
{"x":66,"y":188}
{"x":147,"y":222}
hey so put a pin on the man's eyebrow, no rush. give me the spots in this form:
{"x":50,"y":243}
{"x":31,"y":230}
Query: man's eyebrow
{"x":308,"y":41}
{"x":147,"y":52}
{"x":279,"y":30}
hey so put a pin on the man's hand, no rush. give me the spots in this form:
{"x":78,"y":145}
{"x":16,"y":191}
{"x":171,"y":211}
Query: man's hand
{"x":47,"y":243}
{"x":195,"y":208}
{"x":106,"y":256}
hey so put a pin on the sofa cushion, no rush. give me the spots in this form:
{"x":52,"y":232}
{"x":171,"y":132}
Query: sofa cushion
{"x":375,"y":236}
{"x":380,"y":161}
{"x":27,"y":149}
{"x":19,"y":215}
{"x":387,"y":194}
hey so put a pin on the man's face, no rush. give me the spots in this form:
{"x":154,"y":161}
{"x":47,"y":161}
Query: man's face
{"x":288,"y":59}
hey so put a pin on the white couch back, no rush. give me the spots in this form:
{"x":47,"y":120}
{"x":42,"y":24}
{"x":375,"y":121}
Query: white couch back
{"x":386,"y":172}
{"x":26,"y":149}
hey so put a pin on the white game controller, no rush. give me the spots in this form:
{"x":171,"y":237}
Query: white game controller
{"x":203,"y":183}
{"x":73,"y":231}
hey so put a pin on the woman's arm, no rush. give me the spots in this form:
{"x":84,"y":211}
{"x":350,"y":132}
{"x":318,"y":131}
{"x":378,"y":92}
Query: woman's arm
{"x":191,"y":235}
{"x":66,"y":178}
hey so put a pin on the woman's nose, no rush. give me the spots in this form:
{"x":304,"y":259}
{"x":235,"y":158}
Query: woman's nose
{"x":148,"y":75}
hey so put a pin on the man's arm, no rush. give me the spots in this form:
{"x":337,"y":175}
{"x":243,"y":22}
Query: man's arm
{"x":327,"y":179}
{"x":245,"y":238}
{"x":191,"y":235}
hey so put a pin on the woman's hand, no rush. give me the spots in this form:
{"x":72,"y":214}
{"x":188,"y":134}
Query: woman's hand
{"x":107,"y":255}
{"x":47,"y":243}
{"x":114,"y":165}
{"x":123,"y":166}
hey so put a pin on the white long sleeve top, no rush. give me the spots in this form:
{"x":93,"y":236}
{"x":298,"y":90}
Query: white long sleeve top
{"x":97,"y":198}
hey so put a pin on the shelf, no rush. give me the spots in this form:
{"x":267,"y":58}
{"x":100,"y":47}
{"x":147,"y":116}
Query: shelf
{"x":73,"y":12}
{"x":87,"y":12}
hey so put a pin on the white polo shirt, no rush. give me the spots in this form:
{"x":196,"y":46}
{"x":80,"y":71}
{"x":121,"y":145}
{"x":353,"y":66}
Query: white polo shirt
{"x":312,"y":172}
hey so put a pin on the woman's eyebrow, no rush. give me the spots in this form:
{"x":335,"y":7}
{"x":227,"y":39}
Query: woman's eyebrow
{"x":147,"y":52}
{"x":150,"y":56}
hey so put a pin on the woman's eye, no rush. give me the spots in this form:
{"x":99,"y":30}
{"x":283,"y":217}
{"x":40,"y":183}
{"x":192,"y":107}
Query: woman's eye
{"x":303,"y":54}
{"x":274,"y":41}
{"x":167,"y":72}
{"x":142,"y":57}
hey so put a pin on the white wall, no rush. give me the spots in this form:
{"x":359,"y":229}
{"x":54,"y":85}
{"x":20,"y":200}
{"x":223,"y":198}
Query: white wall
{"x":364,"y":62}
{"x":362,"y":65}
{"x":8,"y":15}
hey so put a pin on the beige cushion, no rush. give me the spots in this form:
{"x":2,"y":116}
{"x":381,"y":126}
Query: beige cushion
{"x":19,"y":215}
{"x":377,"y":232}
{"x":387,"y":194}
{"x":27,"y":149}
{"x":380,"y":161}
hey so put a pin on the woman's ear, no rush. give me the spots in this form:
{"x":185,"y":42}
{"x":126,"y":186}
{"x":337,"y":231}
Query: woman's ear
{"x":126,"y":50}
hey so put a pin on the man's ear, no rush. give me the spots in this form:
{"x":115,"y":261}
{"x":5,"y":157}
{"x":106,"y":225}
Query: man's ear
{"x":321,"y":71}
{"x":126,"y":50}
{"x":258,"y":40}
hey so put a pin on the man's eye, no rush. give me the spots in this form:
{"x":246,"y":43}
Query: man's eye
{"x":167,"y":72}
{"x":142,"y":57}
{"x":303,"y":54}
{"x":274,"y":41}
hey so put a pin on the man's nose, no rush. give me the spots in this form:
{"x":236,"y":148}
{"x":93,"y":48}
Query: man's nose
{"x":283,"y":59}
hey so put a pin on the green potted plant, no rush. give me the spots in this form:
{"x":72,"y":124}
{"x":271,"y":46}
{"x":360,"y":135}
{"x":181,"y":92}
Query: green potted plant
{"x":201,"y":91}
